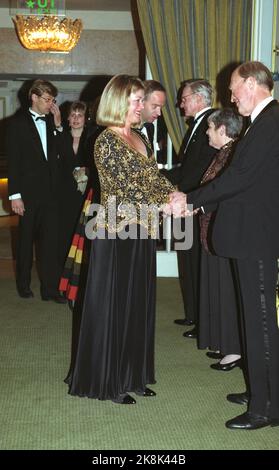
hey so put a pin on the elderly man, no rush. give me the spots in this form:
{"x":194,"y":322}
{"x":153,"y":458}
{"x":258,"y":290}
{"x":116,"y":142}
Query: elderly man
{"x":246,"y":229}
{"x":196,"y":155}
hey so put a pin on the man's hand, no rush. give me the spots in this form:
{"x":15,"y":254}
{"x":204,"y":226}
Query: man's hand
{"x":56,"y":114}
{"x":18,"y":206}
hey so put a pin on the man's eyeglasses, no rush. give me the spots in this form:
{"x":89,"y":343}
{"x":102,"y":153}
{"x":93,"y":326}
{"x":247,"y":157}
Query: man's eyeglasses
{"x":183,"y":98}
{"x":48,"y":100}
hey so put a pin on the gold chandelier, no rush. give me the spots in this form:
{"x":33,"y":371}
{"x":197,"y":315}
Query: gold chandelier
{"x":48,"y":33}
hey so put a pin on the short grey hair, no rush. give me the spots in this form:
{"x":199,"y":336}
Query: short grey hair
{"x":229,"y":118}
{"x":200,"y":87}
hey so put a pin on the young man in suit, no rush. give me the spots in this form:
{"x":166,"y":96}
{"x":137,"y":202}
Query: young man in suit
{"x":33,"y":182}
{"x":195,"y":155}
{"x":246,"y":229}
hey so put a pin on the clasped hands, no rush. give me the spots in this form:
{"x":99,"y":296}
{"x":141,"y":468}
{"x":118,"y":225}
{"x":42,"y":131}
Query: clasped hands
{"x":177,"y":206}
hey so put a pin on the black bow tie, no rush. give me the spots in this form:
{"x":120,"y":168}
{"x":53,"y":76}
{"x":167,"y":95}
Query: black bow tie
{"x":43,"y":118}
{"x":37,"y":118}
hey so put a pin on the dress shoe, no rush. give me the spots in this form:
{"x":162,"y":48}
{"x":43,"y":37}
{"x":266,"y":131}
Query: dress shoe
{"x":228,"y":366}
{"x":147,"y":392}
{"x":183,"y":322}
{"x":214,"y":355}
{"x":124,"y":400}
{"x":59,"y":299}
{"x":239,"y":398}
{"x":250,"y":421}
{"x":190,"y":333}
{"x":25,"y":293}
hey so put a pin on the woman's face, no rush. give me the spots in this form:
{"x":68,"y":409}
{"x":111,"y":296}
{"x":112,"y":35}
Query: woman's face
{"x":76,"y":119}
{"x":135,"y":107}
{"x":216,"y":137}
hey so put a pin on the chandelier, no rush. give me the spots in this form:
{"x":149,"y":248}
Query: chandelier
{"x":48,"y":33}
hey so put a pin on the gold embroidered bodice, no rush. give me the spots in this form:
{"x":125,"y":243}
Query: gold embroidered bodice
{"x":130,"y":181}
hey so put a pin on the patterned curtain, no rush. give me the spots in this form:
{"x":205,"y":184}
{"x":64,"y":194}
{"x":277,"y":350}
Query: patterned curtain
{"x":194,"y":39}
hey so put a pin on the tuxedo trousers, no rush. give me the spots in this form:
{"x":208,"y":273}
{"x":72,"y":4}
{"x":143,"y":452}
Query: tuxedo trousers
{"x":38,"y":225}
{"x":189,"y":274}
{"x":257,"y":286}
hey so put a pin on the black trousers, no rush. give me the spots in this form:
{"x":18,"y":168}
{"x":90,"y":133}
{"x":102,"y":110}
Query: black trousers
{"x":38,"y":224}
{"x":189,"y":274}
{"x":260,"y":334}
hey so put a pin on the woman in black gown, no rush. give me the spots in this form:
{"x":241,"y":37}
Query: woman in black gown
{"x":115,"y":354}
{"x":73,"y":150}
{"x":218,"y":312}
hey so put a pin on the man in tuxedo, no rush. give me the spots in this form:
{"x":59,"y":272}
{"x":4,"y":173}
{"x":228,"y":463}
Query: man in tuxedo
{"x":246,"y":229}
{"x":33,"y":183}
{"x":154,"y":100}
{"x":195,"y":156}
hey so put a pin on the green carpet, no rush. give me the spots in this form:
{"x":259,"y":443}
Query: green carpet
{"x":188,"y":412}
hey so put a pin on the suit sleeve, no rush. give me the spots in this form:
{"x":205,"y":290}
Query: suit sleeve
{"x":13,"y":152}
{"x":257,"y":153}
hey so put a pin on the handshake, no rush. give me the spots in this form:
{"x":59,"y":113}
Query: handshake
{"x":177,"y":206}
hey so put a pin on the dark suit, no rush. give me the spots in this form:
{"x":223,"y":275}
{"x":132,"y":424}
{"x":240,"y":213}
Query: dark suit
{"x":247,"y":229}
{"x":195,"y":161}
{"x":36,"y":179}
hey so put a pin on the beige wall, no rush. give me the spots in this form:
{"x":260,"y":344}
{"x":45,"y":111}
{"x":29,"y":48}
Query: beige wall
{"x":98,"y":52}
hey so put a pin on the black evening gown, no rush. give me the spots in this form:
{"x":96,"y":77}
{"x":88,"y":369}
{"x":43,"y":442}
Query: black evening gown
{"x":116,"y":344}
{"x":218,"y":323}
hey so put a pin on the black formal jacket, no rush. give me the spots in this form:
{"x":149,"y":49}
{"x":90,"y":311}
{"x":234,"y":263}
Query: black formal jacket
{"x":247,"y":219}
{"x":29,"y":173}
{"x":195,"y":160}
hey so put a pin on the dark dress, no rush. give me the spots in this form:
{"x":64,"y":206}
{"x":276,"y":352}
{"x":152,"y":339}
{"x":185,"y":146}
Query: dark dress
{"x":218,"y":322}
{"x":115,"y":352}
{"x":70,"y":199}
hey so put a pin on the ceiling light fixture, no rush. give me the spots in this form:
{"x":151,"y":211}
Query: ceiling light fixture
{"x":48,"y":33}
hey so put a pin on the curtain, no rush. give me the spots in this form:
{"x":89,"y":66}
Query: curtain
{"x":194,"y":39}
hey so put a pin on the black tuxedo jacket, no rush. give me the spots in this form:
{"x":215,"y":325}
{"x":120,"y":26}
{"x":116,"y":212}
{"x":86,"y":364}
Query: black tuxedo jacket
{"x":195,"y":160}
{"x":247,"y":193}
{"x":29,"y":173}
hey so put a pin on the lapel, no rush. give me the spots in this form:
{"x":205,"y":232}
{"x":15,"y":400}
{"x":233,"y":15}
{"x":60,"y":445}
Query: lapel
{"x":150,"y":132}
{"x":270,"y":105}
{"x":200,"y":129}
{"x":35,"y":136}
{"x":249,"y":134}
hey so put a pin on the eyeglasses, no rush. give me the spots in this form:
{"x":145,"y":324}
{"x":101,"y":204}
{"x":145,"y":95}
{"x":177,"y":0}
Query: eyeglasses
{"x":48,"y":100}
{"x":183,"y":98}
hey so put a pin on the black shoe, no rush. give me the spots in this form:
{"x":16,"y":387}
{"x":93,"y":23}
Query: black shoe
{"x":214,"y":355}
{"x":228,"y":366}
{"x":191,"y":333}
{"x":59,"y":299}
{"x":124,"y":400}
{"x":250,"y":421}
{"x":239,"y":398}
{"x":146,"y":393}
{"x":183,"y":322}
{"x":25,"y":293}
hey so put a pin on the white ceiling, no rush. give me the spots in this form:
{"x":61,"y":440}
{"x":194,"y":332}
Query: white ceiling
{"x":104,"y":5}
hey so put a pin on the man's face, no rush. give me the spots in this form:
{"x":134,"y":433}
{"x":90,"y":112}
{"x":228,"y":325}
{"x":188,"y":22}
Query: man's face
{"x":242,"y":93}
{"x":190,"y":102}
{"x":153,"y":106}
{"x":42,"y":104}
{"x":216,"y":135}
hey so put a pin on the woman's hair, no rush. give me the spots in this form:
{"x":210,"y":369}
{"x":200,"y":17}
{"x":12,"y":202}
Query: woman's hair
{"x":77,"y":106}
{"x":114,"y":102}
{"x":229,"y":118}
{"x":42,"y":86}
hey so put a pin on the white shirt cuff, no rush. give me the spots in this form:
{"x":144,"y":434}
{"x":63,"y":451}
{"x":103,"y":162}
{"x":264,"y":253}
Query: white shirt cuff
{"x":15,"y":196}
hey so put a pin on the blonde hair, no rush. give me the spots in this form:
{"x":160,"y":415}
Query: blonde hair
{"x":114,"y":102}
